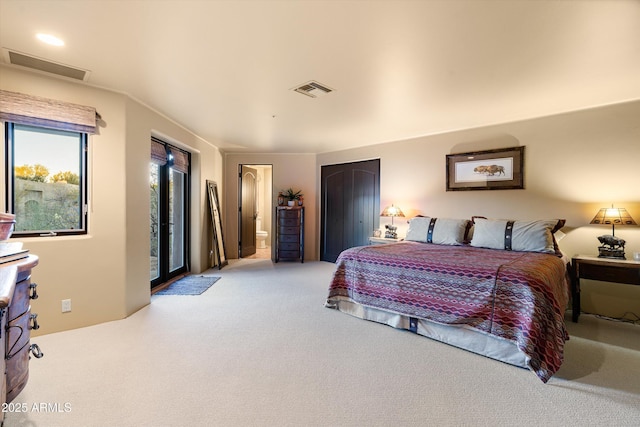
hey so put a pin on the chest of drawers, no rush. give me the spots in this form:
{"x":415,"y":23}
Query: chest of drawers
{"x":16,"y":323}
{"x":289,"y":233}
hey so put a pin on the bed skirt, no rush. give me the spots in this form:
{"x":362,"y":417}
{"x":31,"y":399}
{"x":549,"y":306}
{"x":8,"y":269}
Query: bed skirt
{"x":460,"y":336}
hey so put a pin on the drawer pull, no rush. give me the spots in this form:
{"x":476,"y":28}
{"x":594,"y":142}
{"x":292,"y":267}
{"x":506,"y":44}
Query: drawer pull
{"x":34,"y":321}
{"x":35,"y":350}
{"x":34,"y":293}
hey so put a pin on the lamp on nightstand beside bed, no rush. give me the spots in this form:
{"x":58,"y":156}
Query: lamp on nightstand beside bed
{"x":391,"y":230}
{"x":612,"y":246}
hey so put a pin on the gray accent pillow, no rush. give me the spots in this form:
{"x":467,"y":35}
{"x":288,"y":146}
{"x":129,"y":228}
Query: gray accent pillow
{"x":526,"y":236}
{"x":447,"y":231}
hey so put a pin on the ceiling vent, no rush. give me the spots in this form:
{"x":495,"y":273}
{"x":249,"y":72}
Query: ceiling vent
{"x":313,"y":89}
{"x":43,"y":65}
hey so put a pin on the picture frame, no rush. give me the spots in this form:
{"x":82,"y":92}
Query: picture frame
{"x":499,"y":169}
{"x":218,"y":247}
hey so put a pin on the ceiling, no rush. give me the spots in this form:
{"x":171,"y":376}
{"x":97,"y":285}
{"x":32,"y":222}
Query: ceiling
{"x":398,"y":69}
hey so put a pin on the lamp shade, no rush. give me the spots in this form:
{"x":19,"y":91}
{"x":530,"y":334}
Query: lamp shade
{"x":613,"y":216}
{"x":392,"y":211}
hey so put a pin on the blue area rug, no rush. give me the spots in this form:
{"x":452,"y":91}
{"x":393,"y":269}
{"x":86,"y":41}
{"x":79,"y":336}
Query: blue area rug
{"x":190,"y":285}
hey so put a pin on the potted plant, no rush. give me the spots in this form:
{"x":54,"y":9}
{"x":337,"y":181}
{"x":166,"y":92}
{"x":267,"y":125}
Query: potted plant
{"x":292,"y":196}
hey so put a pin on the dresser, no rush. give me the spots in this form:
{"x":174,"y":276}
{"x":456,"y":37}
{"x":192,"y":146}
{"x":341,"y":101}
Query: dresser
{"x":290,"y":233}
{"x":16,"y":323}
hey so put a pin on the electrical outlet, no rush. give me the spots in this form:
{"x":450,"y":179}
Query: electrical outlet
{"x":66,"y":305}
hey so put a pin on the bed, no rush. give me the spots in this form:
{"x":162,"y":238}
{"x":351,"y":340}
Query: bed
{"x":500,"y":293}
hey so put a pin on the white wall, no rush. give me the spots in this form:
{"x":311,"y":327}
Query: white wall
{"x":289,"y":170}
{"x":574,"y":164}
{"x":106,"y":272}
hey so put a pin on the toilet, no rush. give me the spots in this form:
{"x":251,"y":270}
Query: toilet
{"x":261,"y":235}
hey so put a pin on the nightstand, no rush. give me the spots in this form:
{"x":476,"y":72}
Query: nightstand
{"x":382,"y":240}
{"x":604,"y":269}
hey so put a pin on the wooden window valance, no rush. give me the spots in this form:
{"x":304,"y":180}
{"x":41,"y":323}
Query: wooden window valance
{"x":37,"y":111}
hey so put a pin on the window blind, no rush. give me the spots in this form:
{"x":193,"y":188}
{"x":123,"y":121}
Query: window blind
{"x":159,"y":156}
{"x":180,"y":160}
{"x":37,"y":111}
{"x":158,"y":153}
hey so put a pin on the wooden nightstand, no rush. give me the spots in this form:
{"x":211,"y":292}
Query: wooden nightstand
{"x":604,"y":269}
{"x":382,"y":240}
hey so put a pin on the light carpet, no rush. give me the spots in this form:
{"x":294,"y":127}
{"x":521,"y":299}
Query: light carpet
{"x":260,"y":349}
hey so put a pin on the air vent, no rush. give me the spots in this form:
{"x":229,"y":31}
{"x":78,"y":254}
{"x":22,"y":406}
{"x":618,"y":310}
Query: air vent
{"x":313,"y":89}
{"x":43,"y":65}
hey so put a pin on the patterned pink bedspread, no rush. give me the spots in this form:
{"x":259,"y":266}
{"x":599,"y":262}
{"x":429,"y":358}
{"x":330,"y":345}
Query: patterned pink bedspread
{"x":518,"y":296}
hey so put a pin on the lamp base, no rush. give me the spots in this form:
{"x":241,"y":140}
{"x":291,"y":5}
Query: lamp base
{"x":612,"y":247}
{"x":604,"y":252}
{"x":391,"y":232}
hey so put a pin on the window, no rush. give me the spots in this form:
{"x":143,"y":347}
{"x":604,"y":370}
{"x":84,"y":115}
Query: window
{"x":46,"y":180}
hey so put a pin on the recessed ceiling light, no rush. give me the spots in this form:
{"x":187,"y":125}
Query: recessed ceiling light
{"x":49,"y":39}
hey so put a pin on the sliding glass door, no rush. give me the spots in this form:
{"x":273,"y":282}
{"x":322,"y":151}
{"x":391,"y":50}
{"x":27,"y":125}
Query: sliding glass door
{"x":168,"y":216}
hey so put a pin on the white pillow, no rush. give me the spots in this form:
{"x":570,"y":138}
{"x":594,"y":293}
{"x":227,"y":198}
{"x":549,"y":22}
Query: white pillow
{"x":525,"y":236}
{"x":446,"y":231}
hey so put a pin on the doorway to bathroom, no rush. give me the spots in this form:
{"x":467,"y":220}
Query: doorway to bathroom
{"x":255,"y":217}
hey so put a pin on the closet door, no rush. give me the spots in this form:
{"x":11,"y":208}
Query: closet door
{"x":350,"y":206}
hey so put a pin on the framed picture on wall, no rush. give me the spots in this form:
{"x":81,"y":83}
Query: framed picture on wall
{"x":500,"y":169}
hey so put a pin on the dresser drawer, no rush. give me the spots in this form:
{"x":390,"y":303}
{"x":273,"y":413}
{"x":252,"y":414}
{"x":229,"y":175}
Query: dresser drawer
{"x":609,"y":273}
{"x":289,"y":246}
{"x":289,"y":222}
{"x":290,"y":254}
{"x":293,"y":213}
{"x":17,"y":336}
{"x":289,"y":230}
{"x":289,"y":238}
{"x":20,"y":302}
{"x":17,"y":373}
{"x":17,"y":353}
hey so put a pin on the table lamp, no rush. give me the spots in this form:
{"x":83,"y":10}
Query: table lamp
{"x":391,"y":230}
{"x":612,"y":246}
